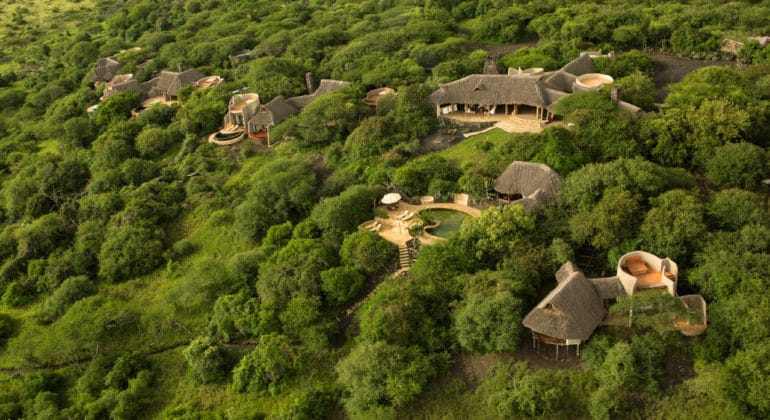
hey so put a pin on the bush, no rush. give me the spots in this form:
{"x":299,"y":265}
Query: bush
{"x":740,"y":165}
{"x":341,"y":284}
{"x":153,"y":141}
{"x":70,"y":291}
{"x":265,"y":367}
{"x":206,"y":361}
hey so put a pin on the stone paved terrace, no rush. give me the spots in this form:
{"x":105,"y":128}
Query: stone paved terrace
{"x":397,"y":232}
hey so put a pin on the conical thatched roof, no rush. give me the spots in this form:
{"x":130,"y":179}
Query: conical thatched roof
{"x":326,"y":86}
{"x":272,"y":113}
{"x":329,"y":86}
{"x":105,"y":70}
{"x":170,"y":82}
{"x":534,"y":181}
{"x":571,"y":311}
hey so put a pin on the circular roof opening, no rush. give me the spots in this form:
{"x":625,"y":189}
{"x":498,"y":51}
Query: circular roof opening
{"x":594,"y":80}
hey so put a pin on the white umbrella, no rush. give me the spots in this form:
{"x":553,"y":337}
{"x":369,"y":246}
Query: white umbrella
{"x":391,"y":198}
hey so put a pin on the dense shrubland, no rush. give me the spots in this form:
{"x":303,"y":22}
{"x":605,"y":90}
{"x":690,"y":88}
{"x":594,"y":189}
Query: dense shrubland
{"x":152,"y":273}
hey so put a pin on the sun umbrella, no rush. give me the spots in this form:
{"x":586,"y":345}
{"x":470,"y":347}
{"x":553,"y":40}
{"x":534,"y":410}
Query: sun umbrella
{"x":391,"y":198}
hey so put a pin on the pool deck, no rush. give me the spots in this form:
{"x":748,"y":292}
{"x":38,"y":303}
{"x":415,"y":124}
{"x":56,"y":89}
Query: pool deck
{"x":397,"y":231}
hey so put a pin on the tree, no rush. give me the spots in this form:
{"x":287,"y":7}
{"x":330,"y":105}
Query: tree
{"x":638,"y":89}
{"x":341,"y":284}
{"x":378,"y":375}
{"x":265,"y":367}
{"x":337,"y":216}
{"x":281,"y":190}
{"x":740,"y":165}
{"x":129,"y":251}
{"x":294,"y":271}
{"x":302,"y":320}
{"x":415,"y":177}
{"x":745,"y":381}
{"x":116,"y":108}
{"x":71,"y":290}
{"x":609,"y":223}
{"x":367,"y":252}
{"x":674,"y":226}
{"x":488,"y":319}
{"x":496,"y":232}
{"x":153,"y":141}
{"x":206,"y":361}
{"x":733,"y":208}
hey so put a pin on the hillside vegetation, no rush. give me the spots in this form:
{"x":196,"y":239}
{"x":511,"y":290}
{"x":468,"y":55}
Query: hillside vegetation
{"x":147,"y":273}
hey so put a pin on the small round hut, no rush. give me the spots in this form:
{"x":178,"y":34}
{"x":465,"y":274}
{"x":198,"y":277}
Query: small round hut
{"x":533,"y":185}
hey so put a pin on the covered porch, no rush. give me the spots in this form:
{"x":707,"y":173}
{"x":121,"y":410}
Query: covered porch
{"x":495,"y":112}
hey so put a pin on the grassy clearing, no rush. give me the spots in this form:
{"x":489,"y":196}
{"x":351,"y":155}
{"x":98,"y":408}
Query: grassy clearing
{"x":471,"y":149}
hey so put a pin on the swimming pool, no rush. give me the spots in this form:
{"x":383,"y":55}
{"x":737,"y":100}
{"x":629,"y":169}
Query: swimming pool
{"x":449,"y":222}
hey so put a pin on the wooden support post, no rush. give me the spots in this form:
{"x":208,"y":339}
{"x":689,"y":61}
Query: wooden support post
{"x":506,"y":109}
{"x":557,"y":352}
{"x":438,"y":111}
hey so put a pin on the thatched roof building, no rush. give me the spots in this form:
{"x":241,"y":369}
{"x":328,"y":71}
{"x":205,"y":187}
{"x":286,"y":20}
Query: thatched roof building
{"x":326,"y":86}
{"x":127,"y":83}
{"x":496,"y":93}
{"x":270,"y":114}
{"x":569,"y":313}
{"x":105,"y":70}
{"x":533,"y":185}
{"x":170,"y":81}
{"x":492,"y":89}
{"x":577,"y":305}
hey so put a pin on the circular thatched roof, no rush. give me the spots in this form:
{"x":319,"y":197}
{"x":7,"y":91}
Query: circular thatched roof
{"x":535,"y":182}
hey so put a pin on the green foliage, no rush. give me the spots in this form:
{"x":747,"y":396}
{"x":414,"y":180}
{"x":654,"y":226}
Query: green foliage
{"x":341,"y":284}
{"x":116,"y":108}
{"x":609,"y":223}
{"x":415,"y":177}
{"x":302,"y":320}
{"x":488,"y":319}
{"x":497,"y":232}
{"x":745,"y":383}
{"x":740,"y":165}
{"x":294,"y":271}
{"x":153,"y":141}
{"x":674,"y":226}
{"x":731,"y":209}
{"x":378,"y":375}
{"x":129,"y":251}
{"x":266,"y":367}
{"x":206,"y":361}
{"x":280,"y":190}
{"x":201,"y":116}
{"x":71,"y":290}
{"x":638,"y":89}
{"x":337,"y":216}
{"x":367,"y":252}
{"x":238,"y":316}
{"x":527,"y":57}
{"x":625,"y":64}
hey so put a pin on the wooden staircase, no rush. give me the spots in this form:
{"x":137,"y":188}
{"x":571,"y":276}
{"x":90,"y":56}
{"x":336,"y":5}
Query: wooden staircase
{"x":404,"y":258}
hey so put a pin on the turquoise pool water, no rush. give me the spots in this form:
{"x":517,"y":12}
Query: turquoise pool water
{"x":450,"y":222}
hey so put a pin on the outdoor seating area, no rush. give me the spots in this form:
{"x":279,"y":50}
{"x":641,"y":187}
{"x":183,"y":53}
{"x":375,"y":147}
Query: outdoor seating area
{"x":405,"y":215}
{"x":373,"y":226}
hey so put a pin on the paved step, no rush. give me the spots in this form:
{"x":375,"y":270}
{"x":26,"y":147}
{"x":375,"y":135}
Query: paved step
{"x":516,"y":124}
{"x":404,"y":259}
